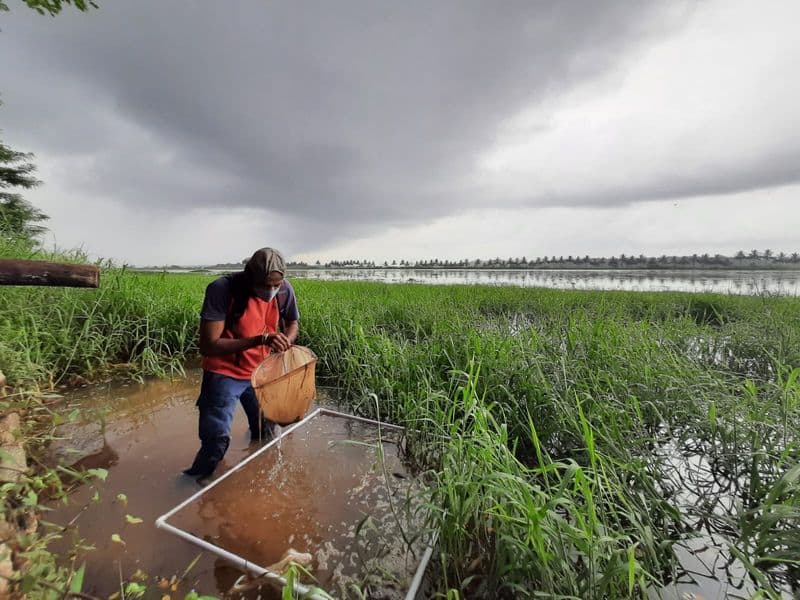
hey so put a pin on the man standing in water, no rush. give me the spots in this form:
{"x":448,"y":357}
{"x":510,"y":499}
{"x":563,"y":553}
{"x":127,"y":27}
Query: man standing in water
{"x":245,"y":316}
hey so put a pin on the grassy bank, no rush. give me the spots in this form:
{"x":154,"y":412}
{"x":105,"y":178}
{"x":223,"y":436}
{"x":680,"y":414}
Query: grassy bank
{"x":557,"y":425}
{"x":134,"y":324}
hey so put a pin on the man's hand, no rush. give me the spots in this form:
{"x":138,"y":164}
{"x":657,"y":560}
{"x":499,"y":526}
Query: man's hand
{"x":277,"y":341}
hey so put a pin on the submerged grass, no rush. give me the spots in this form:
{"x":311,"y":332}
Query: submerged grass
{"x":542,"y":416}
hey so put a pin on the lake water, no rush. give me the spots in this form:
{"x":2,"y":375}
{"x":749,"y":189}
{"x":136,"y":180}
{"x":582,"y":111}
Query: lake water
{"x":143,"y":434}
{"x":727,"y":282}
{"x":326,"y":490}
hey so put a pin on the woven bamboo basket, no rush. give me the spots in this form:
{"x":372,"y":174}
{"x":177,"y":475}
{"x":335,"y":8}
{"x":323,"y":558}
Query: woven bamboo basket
{"x":285,"y":384}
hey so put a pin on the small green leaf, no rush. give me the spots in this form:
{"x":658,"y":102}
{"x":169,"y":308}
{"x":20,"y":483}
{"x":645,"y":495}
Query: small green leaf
{"x":77,"y":580}
{"x":116,"y":539}
{"x":135,"y":589}
{"x":28,"y":581}
{"x":288,"y":592}
{"x":133,"y":520}
{"x":31,"y":500}
{"x":122,"y":498}
{"x":101,"y":474}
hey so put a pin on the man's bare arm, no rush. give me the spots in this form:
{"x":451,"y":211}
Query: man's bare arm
{"x":213,"y":344}
{"x":292,"y":331}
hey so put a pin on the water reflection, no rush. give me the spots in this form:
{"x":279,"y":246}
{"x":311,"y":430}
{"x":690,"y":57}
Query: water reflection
{"x":105,"y":458}
{"x":150,"y":435}
{"x":327,"y":496}
{"x":729,"y":282}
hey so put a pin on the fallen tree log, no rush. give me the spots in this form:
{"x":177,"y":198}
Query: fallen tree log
{"x":39,"y":272}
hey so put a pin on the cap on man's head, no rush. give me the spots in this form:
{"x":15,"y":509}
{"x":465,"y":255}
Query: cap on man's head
{"x":263,"y":262}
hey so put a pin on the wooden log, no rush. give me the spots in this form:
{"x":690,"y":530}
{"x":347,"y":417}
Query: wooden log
{"x":39,"y":272}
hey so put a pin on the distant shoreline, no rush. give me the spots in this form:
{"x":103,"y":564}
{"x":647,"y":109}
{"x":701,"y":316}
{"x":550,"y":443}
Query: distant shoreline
{"x":626,"y":268}
{"x":767,"y":261}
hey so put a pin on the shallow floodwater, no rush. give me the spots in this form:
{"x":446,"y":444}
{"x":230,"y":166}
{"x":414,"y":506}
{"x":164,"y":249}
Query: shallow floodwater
{"x":324,"y":490}
{"x":728,"y":282}
{"x":150,"y":436}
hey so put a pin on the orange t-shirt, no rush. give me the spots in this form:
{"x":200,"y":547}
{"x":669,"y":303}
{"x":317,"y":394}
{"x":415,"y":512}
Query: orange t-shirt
{"x":259,"y":317}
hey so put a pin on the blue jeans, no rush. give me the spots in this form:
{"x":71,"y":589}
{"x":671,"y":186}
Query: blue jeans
{"x":217,"y":403}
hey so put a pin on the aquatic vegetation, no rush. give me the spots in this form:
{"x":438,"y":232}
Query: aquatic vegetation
{"x":555,"y":422}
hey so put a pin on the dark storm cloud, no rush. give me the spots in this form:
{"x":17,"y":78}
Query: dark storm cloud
{"x":777,"y":167}
{"x":330,"y":113}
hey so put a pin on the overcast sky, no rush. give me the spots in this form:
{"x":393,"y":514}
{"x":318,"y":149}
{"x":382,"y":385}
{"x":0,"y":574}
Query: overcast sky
{"x":195,"y":132}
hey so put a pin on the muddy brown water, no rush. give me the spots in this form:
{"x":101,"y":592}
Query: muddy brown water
{"x":325,"y":490}
{"x":149,"y":436}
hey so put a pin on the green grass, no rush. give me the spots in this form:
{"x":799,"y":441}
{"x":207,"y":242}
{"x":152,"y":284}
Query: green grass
{"x":541,"y":413}
{"x":137,"y":324}
{"x":548,"y":421}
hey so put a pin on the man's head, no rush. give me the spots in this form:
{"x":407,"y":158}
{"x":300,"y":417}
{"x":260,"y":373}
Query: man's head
{"x":265,"y":269}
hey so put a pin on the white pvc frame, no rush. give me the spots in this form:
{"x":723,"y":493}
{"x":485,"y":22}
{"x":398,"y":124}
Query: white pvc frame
{"x":257,"y":570}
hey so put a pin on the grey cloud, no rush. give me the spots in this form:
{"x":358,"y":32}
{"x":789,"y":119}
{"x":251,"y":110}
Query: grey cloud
{"x":777,"y":168}
{"x":343,"y":116}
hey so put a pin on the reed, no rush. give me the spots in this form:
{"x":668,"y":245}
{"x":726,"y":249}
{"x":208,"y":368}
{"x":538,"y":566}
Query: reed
{"x":553,"y":423}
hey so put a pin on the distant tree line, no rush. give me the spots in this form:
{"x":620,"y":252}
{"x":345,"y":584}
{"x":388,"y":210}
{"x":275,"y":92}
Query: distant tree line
{"x":741,"y":260}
